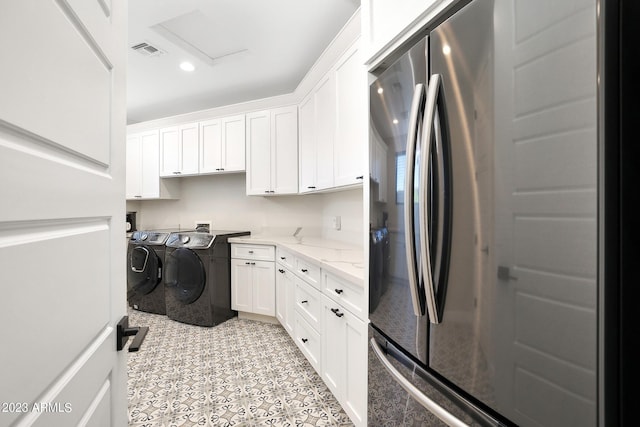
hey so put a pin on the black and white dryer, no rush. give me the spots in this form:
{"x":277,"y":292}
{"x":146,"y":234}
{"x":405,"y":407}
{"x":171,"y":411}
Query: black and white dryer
{"x":145,"y":260}
{"x":198,"y":277}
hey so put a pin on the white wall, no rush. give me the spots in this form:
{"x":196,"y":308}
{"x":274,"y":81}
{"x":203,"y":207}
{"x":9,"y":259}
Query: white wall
{"x":348,"y":205}
{"x":221,"y":199}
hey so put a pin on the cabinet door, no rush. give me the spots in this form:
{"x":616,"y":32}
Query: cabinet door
{"x":241,"y":285}
{"x":264,"y":287}
{"x":150,"y":151}
{"x":307,"y":145}
{"x":281,"y":300}
{"x":210,"y":146}
{"x":325,"y":131}
{"x":333,"y":346}
{"x":134,"y":167}
{"x":233,"y":147}
{"x":284,"y":143}
{"x":290,"y":303}
{"x":285,"y":298}
{"x":351,"y":102}
{"x":354,"y":390}
{"x":189,"y":149}
{"x":258,"y":153}
{"x":170,"y":151}
{"x":344,"y":359}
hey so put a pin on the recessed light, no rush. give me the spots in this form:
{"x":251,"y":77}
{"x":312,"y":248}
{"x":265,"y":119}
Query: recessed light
{"x":187,"y":66}
{"x":395,"y":121}
{"x":380,"y":90}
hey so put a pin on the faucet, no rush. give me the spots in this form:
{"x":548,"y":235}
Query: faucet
{"x":295,"y":234}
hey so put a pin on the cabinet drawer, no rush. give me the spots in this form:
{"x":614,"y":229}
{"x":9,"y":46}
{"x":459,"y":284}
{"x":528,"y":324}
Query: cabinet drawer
{"x":286,"y":259}
{"x":308,"y":303}
{"x":347,"y":294}
{"x":308,"y":340}
{"x":309,"y":272}
{"x":257,"y":252}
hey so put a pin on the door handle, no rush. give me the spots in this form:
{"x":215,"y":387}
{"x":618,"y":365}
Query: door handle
{"x":430,"y":405}
{"x":417,"y":111}
{"x":432,"y":106}
{"x":124,"y":332}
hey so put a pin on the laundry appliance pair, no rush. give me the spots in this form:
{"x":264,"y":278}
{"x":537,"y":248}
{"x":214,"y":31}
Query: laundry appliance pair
{"x":185,"y":275}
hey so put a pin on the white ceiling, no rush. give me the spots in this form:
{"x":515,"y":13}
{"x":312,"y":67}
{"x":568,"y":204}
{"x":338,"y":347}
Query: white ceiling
{"x":272,"y":44}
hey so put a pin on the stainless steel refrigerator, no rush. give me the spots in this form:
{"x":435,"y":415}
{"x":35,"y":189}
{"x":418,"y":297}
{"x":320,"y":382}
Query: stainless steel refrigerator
{"x":487,"y":163}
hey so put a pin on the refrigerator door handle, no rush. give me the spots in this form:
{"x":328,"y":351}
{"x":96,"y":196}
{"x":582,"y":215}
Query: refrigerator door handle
{"x":417,"y":111}
{"x":414,"y":392}
{"x":425,"y":246}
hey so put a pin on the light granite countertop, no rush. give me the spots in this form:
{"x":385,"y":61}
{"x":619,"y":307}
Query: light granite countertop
{"x":341,"y":259}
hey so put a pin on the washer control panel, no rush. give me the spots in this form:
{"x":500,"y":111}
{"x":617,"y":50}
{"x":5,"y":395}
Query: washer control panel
{"x":192,"y":240}
{"x":150,"y":237}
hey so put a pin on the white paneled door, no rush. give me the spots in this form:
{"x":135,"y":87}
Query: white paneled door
{"x":62,"y":246}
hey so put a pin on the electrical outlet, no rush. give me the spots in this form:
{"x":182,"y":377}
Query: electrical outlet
{"x":203,"y":226}
{"x":335,"y":222}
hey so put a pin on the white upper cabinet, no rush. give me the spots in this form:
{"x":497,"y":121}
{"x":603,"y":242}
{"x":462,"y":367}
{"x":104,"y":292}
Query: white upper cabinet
{"x":284,"y":146}
{"x":351,"y":109}
{"x":325,"y":104}
{"x":387,"y":23}
{"x":272,"y":151}
{"x":259,"y":153}
{"x":317,"y":134}
{"x":333,"y":127}
{"x":222,"y":145}
{"x":143,"y":168}
{"x":133,"y":187}
{"x":307,"y":145}
{"x":179,"y":150}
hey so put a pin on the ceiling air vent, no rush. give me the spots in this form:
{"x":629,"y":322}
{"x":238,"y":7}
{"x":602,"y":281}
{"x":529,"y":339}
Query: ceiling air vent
{"x":147,"y":49}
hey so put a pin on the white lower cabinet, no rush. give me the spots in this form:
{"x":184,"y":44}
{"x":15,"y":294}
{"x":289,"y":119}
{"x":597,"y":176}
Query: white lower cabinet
{"x":285,"y":294}
{"x":344,"y":356}
{"x":308,"y":341}
{"x":324,"y":314}
{"x":253,"y":283}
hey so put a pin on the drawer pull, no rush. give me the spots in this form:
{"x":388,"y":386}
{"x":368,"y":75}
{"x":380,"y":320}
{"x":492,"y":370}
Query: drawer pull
{"x":281,"y":270}
{"x":337,"y":312}
{"x":304,"y":302}
{"x":248,"y":263}
{"x":304,"y":270}
{"x":250,"y":252}
{"x":304,"y":340}
{"x":338,"y":291}
{"x":283,"y":258}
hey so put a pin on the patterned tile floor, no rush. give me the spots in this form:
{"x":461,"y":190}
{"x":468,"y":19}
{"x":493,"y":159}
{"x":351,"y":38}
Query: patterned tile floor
{"x":239,"y":373}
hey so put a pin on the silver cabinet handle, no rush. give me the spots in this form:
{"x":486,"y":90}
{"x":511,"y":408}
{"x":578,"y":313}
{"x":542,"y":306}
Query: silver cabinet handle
{"x":414,"y":392}
{"x":417,"y":109}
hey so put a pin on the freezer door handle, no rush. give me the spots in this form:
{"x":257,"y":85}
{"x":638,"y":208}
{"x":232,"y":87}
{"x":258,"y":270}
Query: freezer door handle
{"x":417,"y":110}
{"x":414,"y":392}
